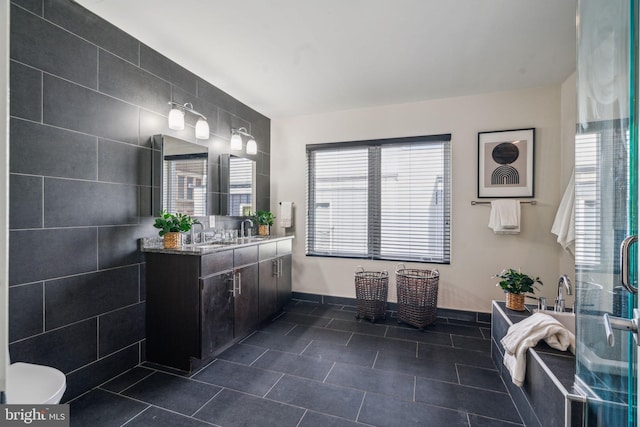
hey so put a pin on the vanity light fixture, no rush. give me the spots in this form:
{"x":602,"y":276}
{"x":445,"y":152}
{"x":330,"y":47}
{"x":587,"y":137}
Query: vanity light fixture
{"x":176,"y":119}
{"x":252,"y":146}
{"x":202,"y":128}
{"x":236,"y":140}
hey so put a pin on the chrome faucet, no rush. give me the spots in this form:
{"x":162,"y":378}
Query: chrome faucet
{"x":563,"y":281}
{"x":193,"y":234}
{"x":242,"y":227}
{"x":542,"y":301}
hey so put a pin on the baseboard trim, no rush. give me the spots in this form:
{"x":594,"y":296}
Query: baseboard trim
{"x":467,"y":316}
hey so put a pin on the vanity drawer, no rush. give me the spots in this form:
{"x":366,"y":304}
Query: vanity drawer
{"x":268,"y":250}
{"x":284,"y":247}
{"x":244,"y":256}
{"x":216,"y":263}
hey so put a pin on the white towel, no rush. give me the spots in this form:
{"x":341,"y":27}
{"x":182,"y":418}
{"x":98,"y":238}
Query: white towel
{"x":526,"y":334}
{"x":286,"y":214}
{"x":564,"y":223}
{"x":505,"y":216}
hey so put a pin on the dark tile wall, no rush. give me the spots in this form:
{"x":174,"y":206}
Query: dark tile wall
{"x":85,"y":100}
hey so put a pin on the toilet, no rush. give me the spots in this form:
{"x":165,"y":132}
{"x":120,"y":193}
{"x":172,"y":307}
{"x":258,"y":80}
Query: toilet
{"x":34,"y":384}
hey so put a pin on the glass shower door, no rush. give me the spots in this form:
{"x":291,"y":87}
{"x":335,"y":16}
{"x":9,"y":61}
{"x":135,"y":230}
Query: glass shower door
{"x":606,"y":210}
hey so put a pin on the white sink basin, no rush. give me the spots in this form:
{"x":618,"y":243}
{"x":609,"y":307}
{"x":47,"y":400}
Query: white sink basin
{"x":568,"y":320}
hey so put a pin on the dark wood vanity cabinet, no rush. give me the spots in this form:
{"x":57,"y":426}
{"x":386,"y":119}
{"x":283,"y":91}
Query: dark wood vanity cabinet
{"x":198,"y":304}
{"x":172,"y":293}
{"x":190,"y":307}
{"x":245,"y":290}
{"x":268,"y":289}
{"x":275,"y":277}
{"x":268,"y":299}
{"x":284,"y":272}
{"x":216,"y":312}
{"x":284,"y":281}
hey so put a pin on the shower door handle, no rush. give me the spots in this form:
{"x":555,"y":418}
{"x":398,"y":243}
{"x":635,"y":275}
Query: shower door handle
{"x":625,"y":249}
{"x":613,"y":322}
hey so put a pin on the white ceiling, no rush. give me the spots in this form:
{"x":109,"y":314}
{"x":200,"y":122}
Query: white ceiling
{"x":291,"y":57}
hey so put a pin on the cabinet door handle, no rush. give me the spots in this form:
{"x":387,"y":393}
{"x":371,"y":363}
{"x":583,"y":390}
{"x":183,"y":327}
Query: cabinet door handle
{"x":274,"y":268}
{"x":239,"y":283}
{"x":280,"y":267}
{"x":232,"y":278}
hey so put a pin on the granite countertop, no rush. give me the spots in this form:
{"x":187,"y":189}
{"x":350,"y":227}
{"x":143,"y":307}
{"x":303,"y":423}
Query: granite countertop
{"x":561,"y":363}
{"x":155,"y":244}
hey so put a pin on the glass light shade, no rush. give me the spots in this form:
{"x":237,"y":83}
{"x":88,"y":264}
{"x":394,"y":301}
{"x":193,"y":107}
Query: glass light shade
{"x":176,"y":119}
{"x":236,"y":142}
{"x":252,"y":147}
{"x":202,"y":129}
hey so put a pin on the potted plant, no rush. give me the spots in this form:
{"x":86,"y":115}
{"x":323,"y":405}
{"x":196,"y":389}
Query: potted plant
{"x":515,"y":284}
{"x":171,"y":225}
{"x":264,"y":219}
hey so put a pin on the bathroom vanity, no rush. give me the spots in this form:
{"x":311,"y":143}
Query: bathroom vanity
{"x":201,"y":298}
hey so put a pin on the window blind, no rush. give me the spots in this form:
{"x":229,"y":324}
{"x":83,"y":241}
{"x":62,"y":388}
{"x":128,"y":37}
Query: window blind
{"x":240,"y":186}
{"x":185,"y":181}
{"x":587,"y":199}
{"x":382,"y":199}
{"x":602,"y":154}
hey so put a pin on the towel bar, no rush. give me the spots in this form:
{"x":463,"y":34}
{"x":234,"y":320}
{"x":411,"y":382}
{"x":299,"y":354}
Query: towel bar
{"x":477,"y":202}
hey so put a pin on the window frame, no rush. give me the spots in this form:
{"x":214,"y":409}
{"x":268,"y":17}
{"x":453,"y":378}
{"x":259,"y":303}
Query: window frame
{"x":374,"y":209}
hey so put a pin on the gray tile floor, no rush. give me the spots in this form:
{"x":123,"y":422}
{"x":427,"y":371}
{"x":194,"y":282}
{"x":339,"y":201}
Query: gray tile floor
{"x":316,"y":365}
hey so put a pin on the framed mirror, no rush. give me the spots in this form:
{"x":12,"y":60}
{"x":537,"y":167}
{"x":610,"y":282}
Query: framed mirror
{"x":237,"y":185}
{"x":181,"y":171}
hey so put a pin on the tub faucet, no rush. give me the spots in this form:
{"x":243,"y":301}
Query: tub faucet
{"x":242,"y":227}
{"x":563,"y":281}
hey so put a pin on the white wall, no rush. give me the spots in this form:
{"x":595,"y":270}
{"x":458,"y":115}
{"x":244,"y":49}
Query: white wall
{"x":569,"y":118}
{"x":476,"y":252}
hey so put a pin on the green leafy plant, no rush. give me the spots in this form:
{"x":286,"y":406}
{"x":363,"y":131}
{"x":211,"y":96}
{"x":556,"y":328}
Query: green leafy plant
{"x":516,"y":282}
{"x":263,"y":218}
{"x":173,"y":223}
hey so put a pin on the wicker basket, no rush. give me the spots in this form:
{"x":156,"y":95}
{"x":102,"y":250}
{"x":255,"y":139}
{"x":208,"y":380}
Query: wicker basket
{"x":172,"y":240}
{"x":417,"y":295}
{"x":371,"y":294}
{"x":515,"y":301}
{"x":263,"y":230}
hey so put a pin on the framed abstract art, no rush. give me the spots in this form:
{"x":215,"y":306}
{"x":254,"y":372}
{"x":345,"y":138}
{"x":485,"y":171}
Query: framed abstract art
{"x":505,"y":163}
